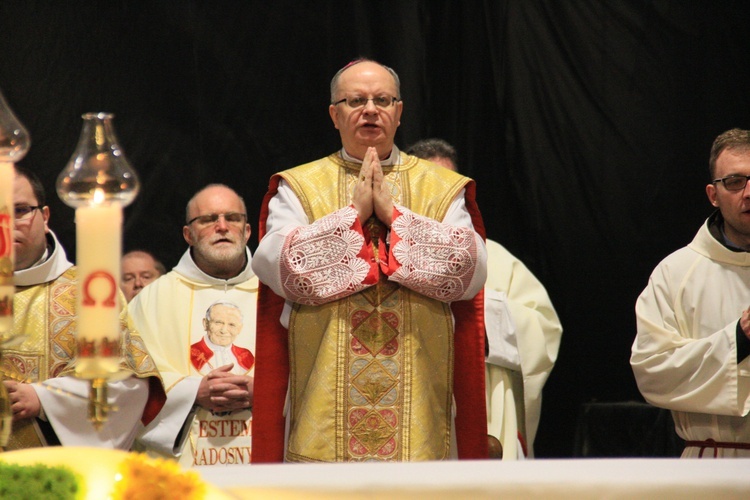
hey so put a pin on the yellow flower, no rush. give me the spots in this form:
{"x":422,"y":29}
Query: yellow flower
{"x":143,"y":478}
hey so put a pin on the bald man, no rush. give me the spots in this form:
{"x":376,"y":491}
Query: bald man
{"x":372,"y":259}
{"x":207,"y":420}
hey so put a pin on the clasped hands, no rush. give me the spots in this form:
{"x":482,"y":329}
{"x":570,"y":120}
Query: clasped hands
{"x":222,"y":391}
{"x":371,"y":194}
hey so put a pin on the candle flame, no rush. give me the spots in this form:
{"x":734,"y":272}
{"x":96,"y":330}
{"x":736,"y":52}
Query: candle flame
{"x":98,"y":196}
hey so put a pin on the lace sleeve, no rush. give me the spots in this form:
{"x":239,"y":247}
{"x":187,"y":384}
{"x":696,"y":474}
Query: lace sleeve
{"x":326,"y":260}
{"x":435,"y":259}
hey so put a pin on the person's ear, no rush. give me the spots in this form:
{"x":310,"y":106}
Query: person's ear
{"x":45,"y":216}
{"x":333,"y":112}
{"x":248,"y":232}
{"x":711,"y":193}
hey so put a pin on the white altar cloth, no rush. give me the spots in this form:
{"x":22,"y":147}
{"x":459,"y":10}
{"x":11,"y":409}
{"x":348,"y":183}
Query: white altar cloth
{"x":574,"y":479}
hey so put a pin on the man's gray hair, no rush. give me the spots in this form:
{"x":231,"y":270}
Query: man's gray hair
{"x":337,"y":76}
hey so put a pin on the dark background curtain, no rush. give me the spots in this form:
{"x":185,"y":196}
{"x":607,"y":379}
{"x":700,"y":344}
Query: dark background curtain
{"x":586,"y":123}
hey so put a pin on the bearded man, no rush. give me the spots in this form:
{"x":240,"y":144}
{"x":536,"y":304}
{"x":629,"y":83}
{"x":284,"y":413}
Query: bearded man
{"x":207,"y":419}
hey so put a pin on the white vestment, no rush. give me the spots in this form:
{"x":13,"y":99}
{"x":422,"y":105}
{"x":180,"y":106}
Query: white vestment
{"x":523,"y":333}
{"x":684,"y":356}
{"x":169,"y":314}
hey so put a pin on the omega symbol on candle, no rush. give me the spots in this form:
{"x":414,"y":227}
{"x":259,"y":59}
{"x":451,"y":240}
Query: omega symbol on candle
{"x":88,"y":300}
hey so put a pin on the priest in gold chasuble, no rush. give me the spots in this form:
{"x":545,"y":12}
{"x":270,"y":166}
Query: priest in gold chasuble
{"x":372,"y":264}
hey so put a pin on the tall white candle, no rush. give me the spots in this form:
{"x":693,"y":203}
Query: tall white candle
{"x":98,"y":250}
{"x":7,"y":215}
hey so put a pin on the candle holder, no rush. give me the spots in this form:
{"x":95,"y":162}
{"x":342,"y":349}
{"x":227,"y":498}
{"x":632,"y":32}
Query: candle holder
{"x":14,"y":144}
{"x":98,"y":182}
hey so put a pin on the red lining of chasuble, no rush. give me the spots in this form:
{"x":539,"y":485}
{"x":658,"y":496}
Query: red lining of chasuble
{"x":468,"y":371}
{"x":476,"y":215}
{"x":469,"y":378}
{"x":271,"y":379}
{"x":271,"y":363}
{"x":156,"y":399}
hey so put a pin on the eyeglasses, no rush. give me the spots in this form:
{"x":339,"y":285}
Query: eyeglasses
{"x":25,"y":212}
{"x":381,"y":101}
{"x":734,"y":182}
{"x":234,"y":218}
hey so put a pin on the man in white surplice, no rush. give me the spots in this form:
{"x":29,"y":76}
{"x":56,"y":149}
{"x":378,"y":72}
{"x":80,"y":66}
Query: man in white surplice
{"x":207,"y":419}
{"x":690,"y":353}
{"x":523,"y":333}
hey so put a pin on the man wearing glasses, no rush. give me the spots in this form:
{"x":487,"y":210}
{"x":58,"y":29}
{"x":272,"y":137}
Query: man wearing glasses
{"x":369,"y":260}
{"x":49,"y":405}
{"x":690,"y":354}
{"x":207,"y":419}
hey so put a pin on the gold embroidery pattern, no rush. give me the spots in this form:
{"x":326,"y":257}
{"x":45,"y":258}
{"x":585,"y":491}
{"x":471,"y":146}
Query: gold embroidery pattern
{"x":374,"y":373}
{"x":62,"y":326}
{"x":24,"y":368}
{"x":371,"y":379}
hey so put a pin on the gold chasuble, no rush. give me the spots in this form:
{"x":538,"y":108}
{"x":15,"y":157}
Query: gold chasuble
{"x":371,"y":375}
{"x":45,"y":315}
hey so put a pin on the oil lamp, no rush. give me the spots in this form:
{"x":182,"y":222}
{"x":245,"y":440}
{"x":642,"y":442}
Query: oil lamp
{"x":98,"y":182}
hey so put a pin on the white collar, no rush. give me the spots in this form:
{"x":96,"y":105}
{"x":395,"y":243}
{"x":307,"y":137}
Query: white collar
{"x":45,"y":270}
{"x":392,"y":159}
{"x":190,"y":270}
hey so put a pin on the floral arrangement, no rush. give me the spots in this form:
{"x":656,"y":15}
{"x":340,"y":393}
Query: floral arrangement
{"x":136,"y":477}
{"x":142,"y":478}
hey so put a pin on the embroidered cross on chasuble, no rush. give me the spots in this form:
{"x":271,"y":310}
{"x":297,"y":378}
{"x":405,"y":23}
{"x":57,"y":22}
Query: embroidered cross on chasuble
{"x":371,"y":374}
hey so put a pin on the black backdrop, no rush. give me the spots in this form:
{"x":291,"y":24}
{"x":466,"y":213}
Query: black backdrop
{"x":586,"y":123}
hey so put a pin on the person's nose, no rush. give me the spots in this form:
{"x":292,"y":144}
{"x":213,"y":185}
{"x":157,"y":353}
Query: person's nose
{"x":138,"y":282}
{"x":221,"y":224}
{"x":370,"y":107}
